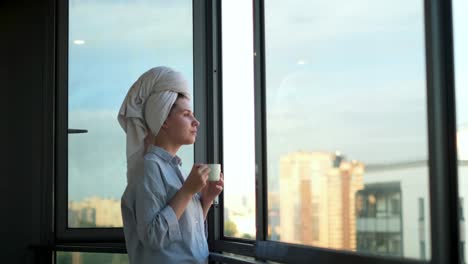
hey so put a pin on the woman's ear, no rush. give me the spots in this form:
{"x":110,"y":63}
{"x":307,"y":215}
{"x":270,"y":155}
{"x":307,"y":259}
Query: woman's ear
{"x":164,"y":125}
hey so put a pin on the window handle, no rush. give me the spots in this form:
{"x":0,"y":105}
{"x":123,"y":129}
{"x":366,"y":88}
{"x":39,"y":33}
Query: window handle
{"x":77,"y":131}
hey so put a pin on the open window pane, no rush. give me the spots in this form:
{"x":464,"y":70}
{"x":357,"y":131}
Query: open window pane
{"x":238,"y":119}
{"x":347,"y":126}
{"x":461,"y":90}
{"x":111,"y":43}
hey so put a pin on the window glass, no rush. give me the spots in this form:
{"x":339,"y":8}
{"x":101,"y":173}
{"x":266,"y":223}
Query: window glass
{"x":111,"y":43}
{"x":460,"y":34}
{"x":238,"y":119}
{"x":347,"y":126}
{"x":90,"y":258}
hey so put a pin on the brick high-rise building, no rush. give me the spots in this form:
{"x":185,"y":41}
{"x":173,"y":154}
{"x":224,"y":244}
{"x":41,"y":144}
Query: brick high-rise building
{"x":317,"y":199}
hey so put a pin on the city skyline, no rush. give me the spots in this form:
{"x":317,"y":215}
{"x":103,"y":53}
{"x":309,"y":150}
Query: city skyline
{"x":325,"y":175}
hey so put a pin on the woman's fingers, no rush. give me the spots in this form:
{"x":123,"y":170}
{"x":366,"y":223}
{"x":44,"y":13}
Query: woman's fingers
{"x":203,"y":169}
{"x":221,"y":181}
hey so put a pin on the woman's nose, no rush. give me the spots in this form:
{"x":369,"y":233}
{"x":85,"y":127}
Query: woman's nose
{"x":196,"y":122}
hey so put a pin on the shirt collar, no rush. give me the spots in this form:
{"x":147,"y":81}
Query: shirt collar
{"x":165,"y":155}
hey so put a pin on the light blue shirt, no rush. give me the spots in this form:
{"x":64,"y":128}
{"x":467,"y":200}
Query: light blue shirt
{"x":153,"y":234}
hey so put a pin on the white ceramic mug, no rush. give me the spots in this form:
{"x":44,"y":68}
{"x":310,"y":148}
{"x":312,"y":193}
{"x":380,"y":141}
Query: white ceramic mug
{"x":215,"y":172}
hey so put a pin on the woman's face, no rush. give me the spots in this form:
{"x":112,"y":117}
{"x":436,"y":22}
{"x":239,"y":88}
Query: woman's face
{"x":181,"y":125}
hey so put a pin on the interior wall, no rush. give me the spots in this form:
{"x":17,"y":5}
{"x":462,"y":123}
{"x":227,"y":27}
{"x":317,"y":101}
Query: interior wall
{"x":25,"y":78}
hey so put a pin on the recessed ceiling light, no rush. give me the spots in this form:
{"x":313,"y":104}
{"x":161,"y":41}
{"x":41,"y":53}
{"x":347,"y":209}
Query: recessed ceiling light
{"x":301,"y":62}
{"x":79,"y":42}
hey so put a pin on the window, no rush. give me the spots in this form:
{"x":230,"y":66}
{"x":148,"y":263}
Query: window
{"x":110,"y":44}
{"x":342,"y":132}
{"x":383,"y":225}
{"x":238,"y":119}
{"x":460,"y":35}
{"x":345,"y":113}
{"x":338,"y":126}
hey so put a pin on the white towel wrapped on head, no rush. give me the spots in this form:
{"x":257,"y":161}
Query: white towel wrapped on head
{"x":146,"y":107}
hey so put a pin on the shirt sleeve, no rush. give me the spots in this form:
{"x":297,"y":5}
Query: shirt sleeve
{"x":156,"y":221}
{"x":205,"y":219}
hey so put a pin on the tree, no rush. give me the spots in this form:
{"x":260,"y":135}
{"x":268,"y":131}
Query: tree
{"x":247,"y":236}
{"x":230,"y":229}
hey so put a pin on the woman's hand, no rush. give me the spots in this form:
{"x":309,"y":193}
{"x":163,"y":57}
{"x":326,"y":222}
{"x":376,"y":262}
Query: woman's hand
{"x":211,"y":190}
{"x":194,"y":183}
{"x":197,"y":179}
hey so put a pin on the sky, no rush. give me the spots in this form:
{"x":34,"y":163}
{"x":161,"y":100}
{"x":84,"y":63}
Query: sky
{"x":122,"y":40}
{"x":344,"y":76}
{"x":349,"y":76}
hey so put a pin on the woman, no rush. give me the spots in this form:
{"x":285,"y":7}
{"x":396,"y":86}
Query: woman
{"x":163,"y":211}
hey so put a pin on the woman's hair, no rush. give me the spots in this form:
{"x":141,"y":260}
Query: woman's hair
{"x":179,"y":95}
